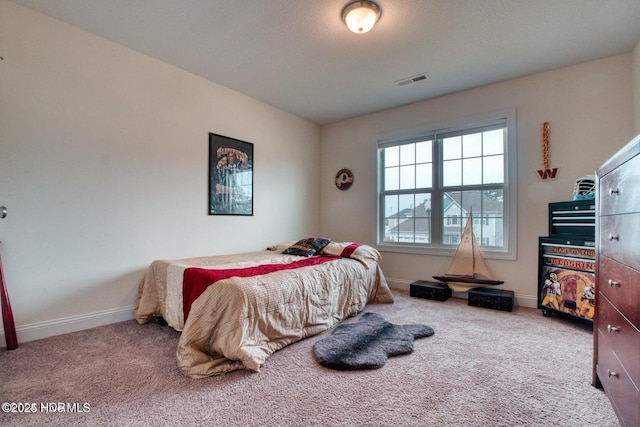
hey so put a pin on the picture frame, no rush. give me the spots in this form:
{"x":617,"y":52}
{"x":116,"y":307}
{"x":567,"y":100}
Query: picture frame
{"x":230,"y":176}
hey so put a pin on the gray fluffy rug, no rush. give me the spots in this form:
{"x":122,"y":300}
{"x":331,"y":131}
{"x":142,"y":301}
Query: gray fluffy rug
{"x":368,"y":343}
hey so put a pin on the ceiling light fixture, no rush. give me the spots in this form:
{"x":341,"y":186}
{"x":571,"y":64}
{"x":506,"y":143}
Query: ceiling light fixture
{"x":361,"y":15}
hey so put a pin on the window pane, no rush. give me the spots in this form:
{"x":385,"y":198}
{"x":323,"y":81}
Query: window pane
{"x":472,"y":171}
{"x":408,"y":218}
{"x":493,"y":169}
{"x":493,"y":142}
{"x":424,"y":175}
{"x":406,"y":232}
{"x":451,"y":173}
{"x":488,"y":214}
{"x":407,"y":205}
{"x":471,"y":202}
{"x":407,"y":177}
{"x":424,"y":152}
{"x":493,"y":218}
{"x":391,"y":207}
{"x":391,"y":178}
{"x":407,"y":154}
{"x":488,"y":208}
{"x":472,"y":145}
{"x":451,"y":148}
{"x":451,"y":214}
{"x":391,"y":156}
{"x":423,"y":218}
{"x":391,"y":218}
{"x":423,"y":234}
{"x":423,"y":205}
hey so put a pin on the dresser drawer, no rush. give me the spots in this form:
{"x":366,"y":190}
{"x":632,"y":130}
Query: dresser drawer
{"x":618,"y":189}
{"x":623,"y":395}
{"x":619,"y":336}
{"x":621,"y":285}
{"x":619,"y":238}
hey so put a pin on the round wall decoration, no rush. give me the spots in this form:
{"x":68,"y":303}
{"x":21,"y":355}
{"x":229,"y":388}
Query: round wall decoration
{"x":344,"y":179}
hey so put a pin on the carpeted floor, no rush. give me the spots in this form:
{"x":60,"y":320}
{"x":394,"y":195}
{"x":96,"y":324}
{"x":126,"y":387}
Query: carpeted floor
{"x":481,"y":368}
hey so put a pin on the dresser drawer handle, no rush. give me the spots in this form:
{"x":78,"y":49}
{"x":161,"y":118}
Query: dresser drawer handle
{"x":613,"y":283}
{"x":613,"y":191}
{"x":613,"y":237}
{"x":611,"y":373}
{"x":612,"y":329}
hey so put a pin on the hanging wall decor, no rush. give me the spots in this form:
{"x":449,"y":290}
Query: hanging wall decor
{"x":230,"y":176}
{"x":344,"y":179}
{"x":546,"y":173}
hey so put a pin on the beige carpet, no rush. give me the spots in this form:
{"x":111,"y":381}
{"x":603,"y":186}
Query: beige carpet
{"x":481,"y":368}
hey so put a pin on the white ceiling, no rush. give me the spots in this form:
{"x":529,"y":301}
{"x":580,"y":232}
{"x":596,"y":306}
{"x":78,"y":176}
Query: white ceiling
{"x":297,"y":55}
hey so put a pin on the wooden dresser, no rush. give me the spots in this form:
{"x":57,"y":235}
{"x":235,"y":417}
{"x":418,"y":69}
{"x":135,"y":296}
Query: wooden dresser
{"x":616,"y":359}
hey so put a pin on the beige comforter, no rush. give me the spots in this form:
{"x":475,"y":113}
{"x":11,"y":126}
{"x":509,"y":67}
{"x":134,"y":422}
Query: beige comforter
{"x":237,"y":323}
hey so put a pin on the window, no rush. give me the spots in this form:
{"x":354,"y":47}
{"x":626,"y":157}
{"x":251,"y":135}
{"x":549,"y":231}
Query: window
{"x":431,"y":182}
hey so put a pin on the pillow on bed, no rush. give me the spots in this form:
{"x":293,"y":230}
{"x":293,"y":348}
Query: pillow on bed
{"x":307,"y":247}
{"x":358,"y":251}
{"x":281,"y":246}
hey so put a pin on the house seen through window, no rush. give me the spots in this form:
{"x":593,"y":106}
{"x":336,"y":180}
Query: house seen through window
{"x":431,"y":183}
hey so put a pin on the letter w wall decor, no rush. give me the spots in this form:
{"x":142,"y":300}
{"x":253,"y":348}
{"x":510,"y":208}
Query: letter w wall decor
{"x":546,"y":173}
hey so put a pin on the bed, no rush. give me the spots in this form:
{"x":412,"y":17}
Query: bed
{"x":234,"y":311}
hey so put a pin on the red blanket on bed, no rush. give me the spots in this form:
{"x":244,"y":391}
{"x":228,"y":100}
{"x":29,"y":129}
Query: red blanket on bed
{"x":197,"y":280}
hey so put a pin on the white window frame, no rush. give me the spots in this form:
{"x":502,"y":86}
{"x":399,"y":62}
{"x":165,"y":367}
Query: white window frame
{"x":508,"y":251}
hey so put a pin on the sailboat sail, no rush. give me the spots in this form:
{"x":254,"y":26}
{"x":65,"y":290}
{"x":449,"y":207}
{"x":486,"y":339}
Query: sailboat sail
{"x":468,"y":268}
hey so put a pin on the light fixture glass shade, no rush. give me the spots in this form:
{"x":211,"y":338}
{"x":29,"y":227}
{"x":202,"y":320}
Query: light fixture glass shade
{"x":360,"y":16}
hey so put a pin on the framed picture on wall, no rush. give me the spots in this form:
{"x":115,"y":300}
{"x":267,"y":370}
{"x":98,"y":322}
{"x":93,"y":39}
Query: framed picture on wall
{"x":230,"y":176}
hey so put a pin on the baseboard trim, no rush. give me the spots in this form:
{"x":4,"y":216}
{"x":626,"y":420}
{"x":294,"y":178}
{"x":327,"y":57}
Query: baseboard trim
{"x":65,"y":325}
{"x":520,"y":300}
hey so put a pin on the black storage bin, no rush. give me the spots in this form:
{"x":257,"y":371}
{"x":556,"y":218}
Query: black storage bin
{"x":438,"y":291}
{"x":497,"y":299}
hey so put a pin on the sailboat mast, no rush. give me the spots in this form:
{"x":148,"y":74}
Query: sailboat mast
{"x":474,"y":258}
{"x":473,"y":243}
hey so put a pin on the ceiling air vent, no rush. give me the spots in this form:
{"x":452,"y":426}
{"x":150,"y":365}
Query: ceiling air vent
{"x":413,"y":79}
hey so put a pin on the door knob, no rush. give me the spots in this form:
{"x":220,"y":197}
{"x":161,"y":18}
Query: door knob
{"x":3,"y":212}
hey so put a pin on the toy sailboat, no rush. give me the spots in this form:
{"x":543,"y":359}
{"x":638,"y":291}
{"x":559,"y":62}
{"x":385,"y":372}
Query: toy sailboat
{"x":468,"y":268}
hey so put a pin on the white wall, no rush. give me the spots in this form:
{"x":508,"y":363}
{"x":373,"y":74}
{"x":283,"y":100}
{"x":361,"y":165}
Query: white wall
{"x":103,"y":168}
{"x":588,"y":107}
